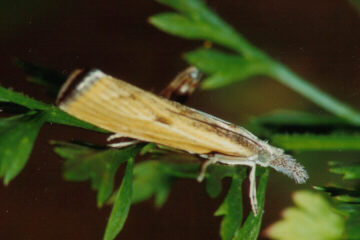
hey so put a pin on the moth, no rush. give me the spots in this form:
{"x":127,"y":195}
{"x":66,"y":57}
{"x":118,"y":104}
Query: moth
{"x":137,"y":115}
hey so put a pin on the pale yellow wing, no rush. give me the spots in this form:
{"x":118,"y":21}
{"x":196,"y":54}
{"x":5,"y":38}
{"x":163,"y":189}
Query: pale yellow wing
{"x":122,"y":108}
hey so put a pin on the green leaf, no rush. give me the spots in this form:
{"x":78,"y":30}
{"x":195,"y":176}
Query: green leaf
{"x":199,"y":22}
{"x":181,"y":170}
{"x":312,"y":218}
{"x":350,"y":171}
{"x":317,"y":142}
{"x":7,"y":95}
{"x":150,"y":180}
{"x":300,"y":131}
{"x":231,"y":208}
{"x":54,"y":114}
{"x":18,"y":135}
{"x":176,"y":163}
{"x":214,"y":176}
{"x":352,"y":230}
{"x":224,"y":69}
{"x":289,"y":119}
{"x":122,"y":203}
{"x":177,"y":24}
{"x":251,"y":227}
{"x":347,"y":200}
{"x":341,"y":194}
{"x":99,"y":165}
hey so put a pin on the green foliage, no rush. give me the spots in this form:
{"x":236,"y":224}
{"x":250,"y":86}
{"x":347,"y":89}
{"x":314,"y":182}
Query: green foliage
{"x":18,"y":135}
{"x":150,"y":180}
{"x":298,"y":131}
{"x":231,"y":208}
{"x":22,"y":130}
{"x":122,"y":203}
{"x":347,"y":200}
{"x":312,"y":218}
{"x":356,"y":4}
{"x":317,"y":142}
{"x":350,"y":171}
{"x":223,"y":68}
{"x":214,"y":177}
{"x":251,"y":227}
{"x":352,"y":230}
{"x":196,"y":21}
{"x":54,"y":114}
{"x":92,"y":163}
{"x":287,"y":120}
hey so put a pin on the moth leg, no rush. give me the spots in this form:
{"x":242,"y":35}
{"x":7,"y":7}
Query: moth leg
{"x":114,"y":136}
{"x":121,"y":141}
{"x":245,"y":161}
{"x":252,"y":193}
{"x":124,"y":143}
{"x":204,"y":166}
{"x":183,"y":85}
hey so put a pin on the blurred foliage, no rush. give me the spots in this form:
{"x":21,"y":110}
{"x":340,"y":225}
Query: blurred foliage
{"x":356,"y":4}
{"x":350,"y":171}
{"x":312,"y":218}
{"x":347,"y":200}
{"x":294,"y":131}
{"x":122,"y":201}
{"x":18,"y":135}
{"x":299,"y":131}
{"x":224,"y":69}
{"x":150,"y":180}
{"x":194,"y":20}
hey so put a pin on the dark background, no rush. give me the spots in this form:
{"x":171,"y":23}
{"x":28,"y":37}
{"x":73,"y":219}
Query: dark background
{"x":320,"y":40}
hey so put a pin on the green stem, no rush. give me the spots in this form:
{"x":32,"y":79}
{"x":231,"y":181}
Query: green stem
{"x":311,"y":92}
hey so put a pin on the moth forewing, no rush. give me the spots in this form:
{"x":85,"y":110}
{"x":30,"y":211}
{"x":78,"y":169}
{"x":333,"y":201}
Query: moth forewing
{"x":122,"y":108}
{"x":129,"y":111}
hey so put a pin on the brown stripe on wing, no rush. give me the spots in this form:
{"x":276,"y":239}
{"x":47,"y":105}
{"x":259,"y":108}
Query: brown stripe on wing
{"x":224,"y":132}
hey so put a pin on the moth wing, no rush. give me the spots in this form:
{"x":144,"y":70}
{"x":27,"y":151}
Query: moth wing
{"x":122,"y":108}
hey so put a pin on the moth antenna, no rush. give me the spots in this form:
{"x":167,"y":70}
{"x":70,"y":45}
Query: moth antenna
{"x":288,"y":165}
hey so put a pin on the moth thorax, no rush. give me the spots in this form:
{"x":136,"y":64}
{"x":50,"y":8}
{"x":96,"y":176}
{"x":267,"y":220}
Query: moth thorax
{"x":264,"y":158}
